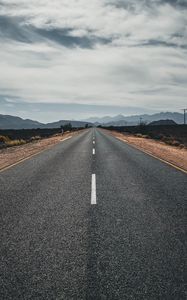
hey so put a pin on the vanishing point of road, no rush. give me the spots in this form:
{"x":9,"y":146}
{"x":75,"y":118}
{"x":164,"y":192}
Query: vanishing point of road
{"x":92,"y":218}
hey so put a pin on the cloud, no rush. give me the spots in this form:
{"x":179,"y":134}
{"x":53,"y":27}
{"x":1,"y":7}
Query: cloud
{"x":46,"y":112}
{"x":81,"y":23}
{"x":12,"y":28}
{"x":122,"y":52}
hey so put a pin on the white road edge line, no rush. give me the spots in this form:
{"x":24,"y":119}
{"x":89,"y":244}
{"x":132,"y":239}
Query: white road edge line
{"x":93,"y":190}
{"x":93,"y":151}
{"x":69,"y":137}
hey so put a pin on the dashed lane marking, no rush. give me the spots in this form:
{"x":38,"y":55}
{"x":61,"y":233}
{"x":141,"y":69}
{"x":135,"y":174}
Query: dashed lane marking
{"x":93,"y":190}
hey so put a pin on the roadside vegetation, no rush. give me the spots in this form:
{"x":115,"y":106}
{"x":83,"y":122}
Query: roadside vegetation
{"x":11,"y":137}
{"x":169,"y":140}
{"x":173,"y":135}
{"x":5,"y":141}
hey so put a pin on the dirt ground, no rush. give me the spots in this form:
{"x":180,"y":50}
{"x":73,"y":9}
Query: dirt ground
{"x":12,"y":155}
{"x":171,"y":154}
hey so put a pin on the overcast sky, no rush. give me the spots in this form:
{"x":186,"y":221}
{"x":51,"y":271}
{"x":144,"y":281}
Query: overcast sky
{"x":71,"y":59}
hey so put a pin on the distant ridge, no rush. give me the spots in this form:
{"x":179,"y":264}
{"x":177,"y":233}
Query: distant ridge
{"x":163,"y":122}
{"x":121,"y":120}
{"x":12,"y":122}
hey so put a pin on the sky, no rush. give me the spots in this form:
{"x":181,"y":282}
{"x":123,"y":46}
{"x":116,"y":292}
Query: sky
{"x":73,"y":59}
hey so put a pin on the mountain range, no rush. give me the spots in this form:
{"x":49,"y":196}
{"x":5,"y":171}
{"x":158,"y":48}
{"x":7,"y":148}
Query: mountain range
{"x":121,"y":120}
{"x":13,"y":122}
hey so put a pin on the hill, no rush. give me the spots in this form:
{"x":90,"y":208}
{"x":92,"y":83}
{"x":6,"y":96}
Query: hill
{"x":12,"y":122}
{"x":163,"y":122}
{"x":121,"y":120}
{"x":75,"y":124}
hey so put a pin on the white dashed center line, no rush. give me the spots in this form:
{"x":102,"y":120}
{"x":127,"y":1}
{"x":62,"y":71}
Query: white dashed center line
{"x":93,"y":190}
{"x":93,"y":151}
{"x":94,"y":142}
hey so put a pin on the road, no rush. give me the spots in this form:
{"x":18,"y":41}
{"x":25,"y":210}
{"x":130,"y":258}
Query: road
{"x":69,"y":234}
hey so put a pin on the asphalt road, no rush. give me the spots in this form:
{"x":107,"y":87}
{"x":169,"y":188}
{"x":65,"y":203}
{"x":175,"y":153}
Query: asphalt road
{"x":57,"y":244}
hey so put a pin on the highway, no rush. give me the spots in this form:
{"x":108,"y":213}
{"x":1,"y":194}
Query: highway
{"x":92,"y":218}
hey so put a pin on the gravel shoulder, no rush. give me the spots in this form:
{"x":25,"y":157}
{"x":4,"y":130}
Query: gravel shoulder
{"x":171,"y":154}
{"x":12,"y":155}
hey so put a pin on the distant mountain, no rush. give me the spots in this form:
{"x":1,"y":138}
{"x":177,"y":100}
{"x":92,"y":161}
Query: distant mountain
{"x":63,"y":122}
{"x":176,"y":117}
{"x":98,"y":120}
{"x":12,"y":122}
{"x":105,"y":119}
{"x":121,"y":120}
{"x":163,"y":122}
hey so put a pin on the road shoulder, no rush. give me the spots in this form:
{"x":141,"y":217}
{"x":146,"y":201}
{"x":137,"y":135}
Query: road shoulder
{"x":13,"y":155}
{"x":173,"y":155}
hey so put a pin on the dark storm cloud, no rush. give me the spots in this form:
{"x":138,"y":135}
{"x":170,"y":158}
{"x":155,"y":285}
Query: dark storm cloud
{"x":15,"y":28}
{"x":159,"y":43}
{"x":133,"y":4}
{"x":181,"y":3}
{"x":11,"y":28}
{"x":23,"y":29}
{"x":64,"y":37}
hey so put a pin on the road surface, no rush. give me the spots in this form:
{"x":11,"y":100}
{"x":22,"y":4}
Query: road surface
{"x":78,"y":223}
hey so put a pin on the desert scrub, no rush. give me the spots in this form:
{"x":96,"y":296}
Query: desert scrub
{"x":159,"y":136}
{"x":4,"y":139}
{"x":176,"y":143}
{"x":35,"y":138}
{"x":12,"y":143}
{"x":169,"y":140}
{"x":146,"y":136}
{"x":139,"y":135}
{"x":7,"y":142}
